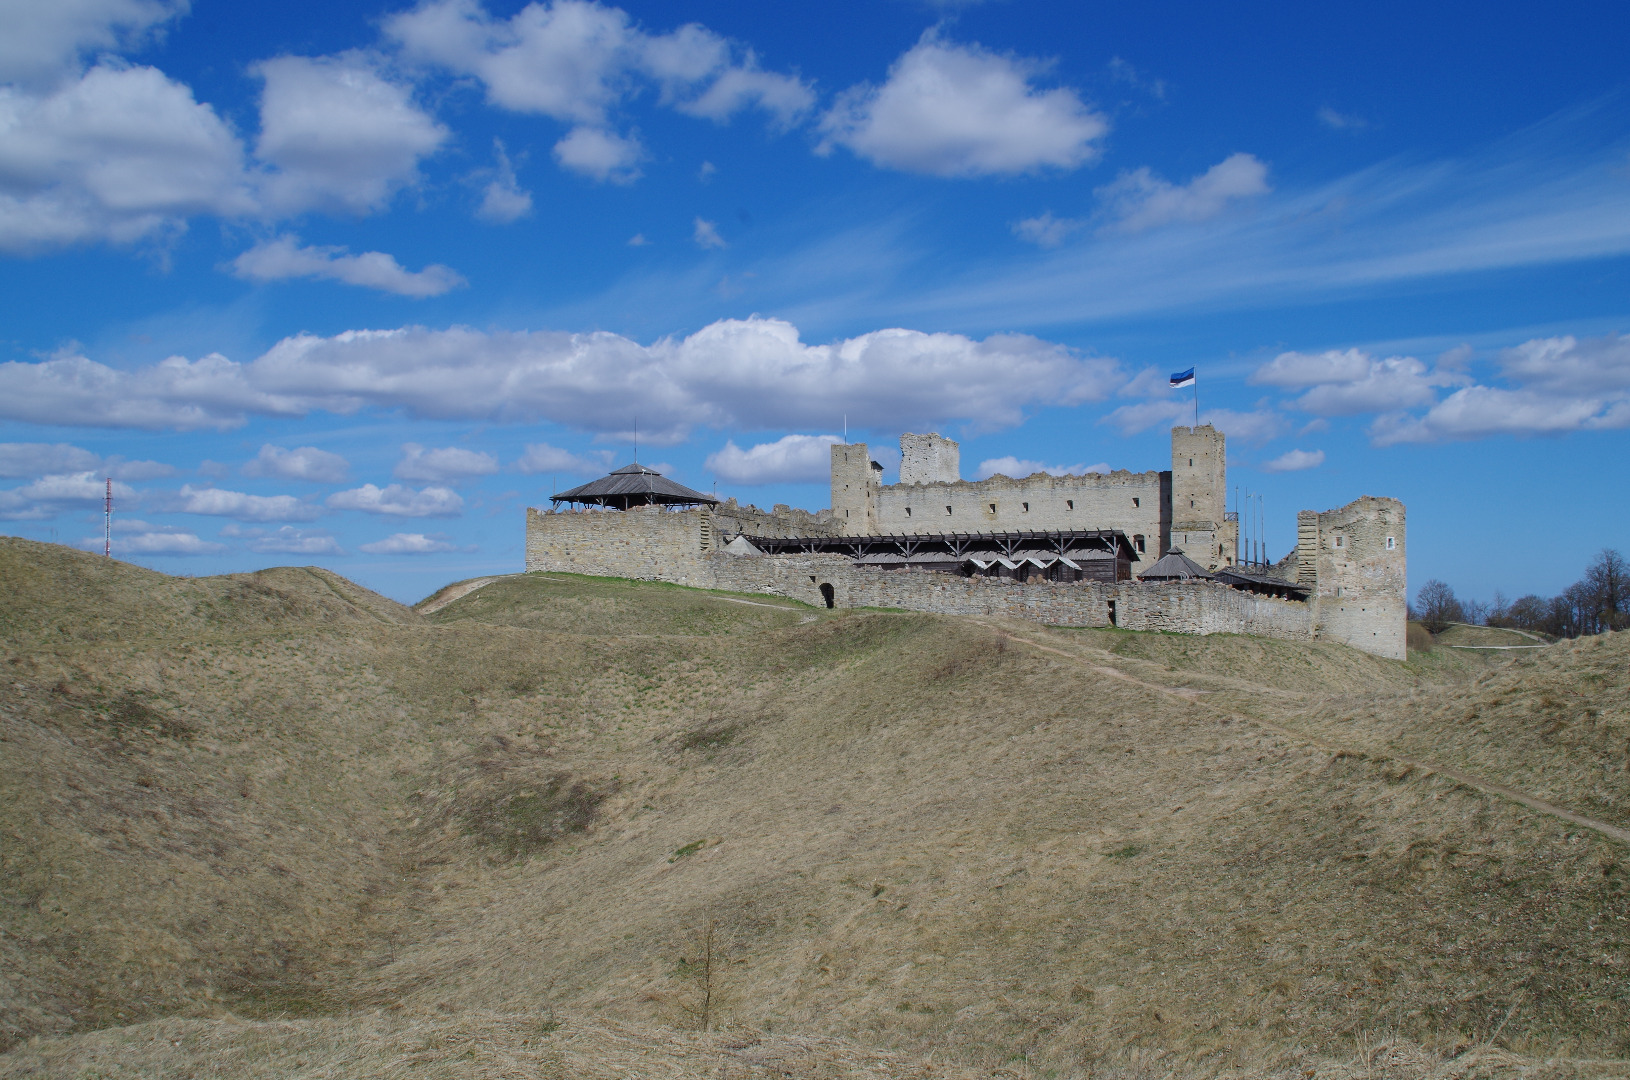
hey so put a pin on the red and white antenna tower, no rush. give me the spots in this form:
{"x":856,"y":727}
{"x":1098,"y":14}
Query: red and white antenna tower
{"x":107,"y":523}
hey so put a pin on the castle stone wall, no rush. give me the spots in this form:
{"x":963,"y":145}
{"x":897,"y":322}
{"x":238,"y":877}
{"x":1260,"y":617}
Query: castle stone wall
{"x":647,"y":542}
{"x":854,"y":489}
{"x":929,"y":459}
{"x":1184,"y":608}
{"x":1357,"y":553}
{"x":1131,"y":502}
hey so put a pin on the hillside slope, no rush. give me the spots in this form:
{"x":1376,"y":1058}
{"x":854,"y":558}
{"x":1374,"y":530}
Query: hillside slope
{"x":999,"y":843}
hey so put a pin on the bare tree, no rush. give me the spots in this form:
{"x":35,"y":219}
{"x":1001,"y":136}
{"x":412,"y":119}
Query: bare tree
{"x":1608,"y":579}
{"x":703,"y":989}
{"x":1436,"y":607}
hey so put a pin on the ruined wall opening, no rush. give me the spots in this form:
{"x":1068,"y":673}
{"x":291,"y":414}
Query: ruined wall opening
{"x":1112,"y":613}
{"x":828,"y":594}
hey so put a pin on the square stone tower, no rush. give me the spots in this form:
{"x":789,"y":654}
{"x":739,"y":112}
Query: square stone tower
{"x":929,"y":459}
{"x":1354,"y":560}
{"x":855,"y":484}
{"x":1200,"y":523}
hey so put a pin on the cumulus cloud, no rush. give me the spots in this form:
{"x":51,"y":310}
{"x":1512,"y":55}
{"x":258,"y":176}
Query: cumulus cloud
{"x":45,"y":38}
{"x":284,"y":258}
{"x":706,"y":235}
{"x":286,"y":540}
{"x":301,"y":463}
{"x":1343,"y":382}
{"x":398,"y":500}
{"x":410,"y":544}
{"x":752,"y":372}
{"x":219,"y":502}
{"x":117,"y":154}
{"x":41,"y":459}
{"x":124,"y":153}
{"x":600,"y":154}
{"x":1295,"y":461}
{"x":341,"y":136}
{"x":46,"y":459}
{"x":140,"y":538}
{"x":543,"y":458}
{"x":50,"y":495}
{"x":1139,"y":199}
{"x":1021,"y":467}
{"x":960,"y":110}
{"x":577,"y":62}
{"x":1254,"y":426}
{"x":1046,"y":231}
{"x":503,"y":200}
{"x":447,"y":464}
{"x":792,"y":459}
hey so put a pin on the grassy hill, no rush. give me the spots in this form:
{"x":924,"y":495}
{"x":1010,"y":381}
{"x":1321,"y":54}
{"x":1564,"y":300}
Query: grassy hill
{"x":278,"y":799}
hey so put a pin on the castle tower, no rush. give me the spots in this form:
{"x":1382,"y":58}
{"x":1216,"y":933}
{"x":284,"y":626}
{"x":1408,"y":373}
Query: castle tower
{"x":1200,"y":524}
{"x":1353,"y":559}
{"x":855,"y":484}
{"x":929,"y":459}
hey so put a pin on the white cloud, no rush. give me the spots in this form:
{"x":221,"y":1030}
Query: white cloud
{"x":301,"y":463}
{"x":1342,"y":382}
{"x":1477,"y":412}
{"x":1567,"y":365}
{"x":503,"y":200}
{"x":160,"y":541}
{"x":398,"y":500}
{"x":577,"y":62}
{"x":284,"y":258}
{"x":1339,"y":121}
{"x":954,"y":110}
{"x":792,"y":459}
{"x":1258,"y":425}
{"x":50,"y":495}
{"x":1019,"y":468}
{"x":1141,"y":200}
{"x":543,"y":458}
{"x":342,"y":137}
{"x":600,"y":154}
{"x":409,"y":544}
{"x":753,"y":373}
{"x":219,"y":502}
{"x":44,"y":38}
{"x":706,"y":235}
{"x":448,"y":464}
{"x":119,"y":154}
{"x":1046,"y":231}
{"x":42,"y":459}
{"x":1295,"y":461}
{"x":289,"y":540}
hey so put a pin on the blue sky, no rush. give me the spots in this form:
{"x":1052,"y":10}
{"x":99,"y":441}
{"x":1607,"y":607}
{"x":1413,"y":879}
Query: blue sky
{"x":353,"y":284}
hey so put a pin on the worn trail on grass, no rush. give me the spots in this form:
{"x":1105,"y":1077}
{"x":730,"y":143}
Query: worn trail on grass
{"x":1480,"y":783}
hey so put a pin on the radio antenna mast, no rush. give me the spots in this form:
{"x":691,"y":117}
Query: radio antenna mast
{"x":107,"y":523}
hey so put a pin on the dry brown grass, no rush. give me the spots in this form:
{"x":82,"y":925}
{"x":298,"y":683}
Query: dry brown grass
{"x":918,"y":833}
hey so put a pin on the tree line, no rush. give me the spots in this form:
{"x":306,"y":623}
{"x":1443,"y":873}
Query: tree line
{"x":1597,"y":603}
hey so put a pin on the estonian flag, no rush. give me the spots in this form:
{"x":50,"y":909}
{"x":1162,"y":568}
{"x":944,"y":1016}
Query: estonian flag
{"x":1182,"y":379}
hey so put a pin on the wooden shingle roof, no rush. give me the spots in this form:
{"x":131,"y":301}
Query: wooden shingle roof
{"x":633,"y":485}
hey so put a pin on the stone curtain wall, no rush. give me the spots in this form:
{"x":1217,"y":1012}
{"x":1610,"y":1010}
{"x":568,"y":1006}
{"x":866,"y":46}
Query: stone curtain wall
{"x":1192,"y":608}
{"x":1122,"y":500}
{"x":682,"y":547}
{"x":929,"y":459}
{"x":730,"y":519}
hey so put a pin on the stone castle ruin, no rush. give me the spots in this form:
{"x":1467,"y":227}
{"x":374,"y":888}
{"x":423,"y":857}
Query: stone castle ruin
{"x":1154,"y":550}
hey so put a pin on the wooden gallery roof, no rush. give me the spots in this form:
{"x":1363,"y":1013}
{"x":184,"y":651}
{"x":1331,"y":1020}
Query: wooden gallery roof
{"x":633,"y":485}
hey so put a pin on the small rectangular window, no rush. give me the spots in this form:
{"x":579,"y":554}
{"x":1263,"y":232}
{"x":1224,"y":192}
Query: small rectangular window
{"x":947,"y":511}
{"x":992,"y":508}
{"x":1137,"y":539}
{"x":1069,"y":504}
{"x":1392,"y":542}
{"x":1135,"y":503}
{"x":908,"y":511}
{"x":1341,"y":541}
{"x":1026,"y":507}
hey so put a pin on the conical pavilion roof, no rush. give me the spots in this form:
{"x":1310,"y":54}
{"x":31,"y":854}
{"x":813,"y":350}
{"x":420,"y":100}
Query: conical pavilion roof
{"x":1174,"y":566}
{"x":633,"y":485}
